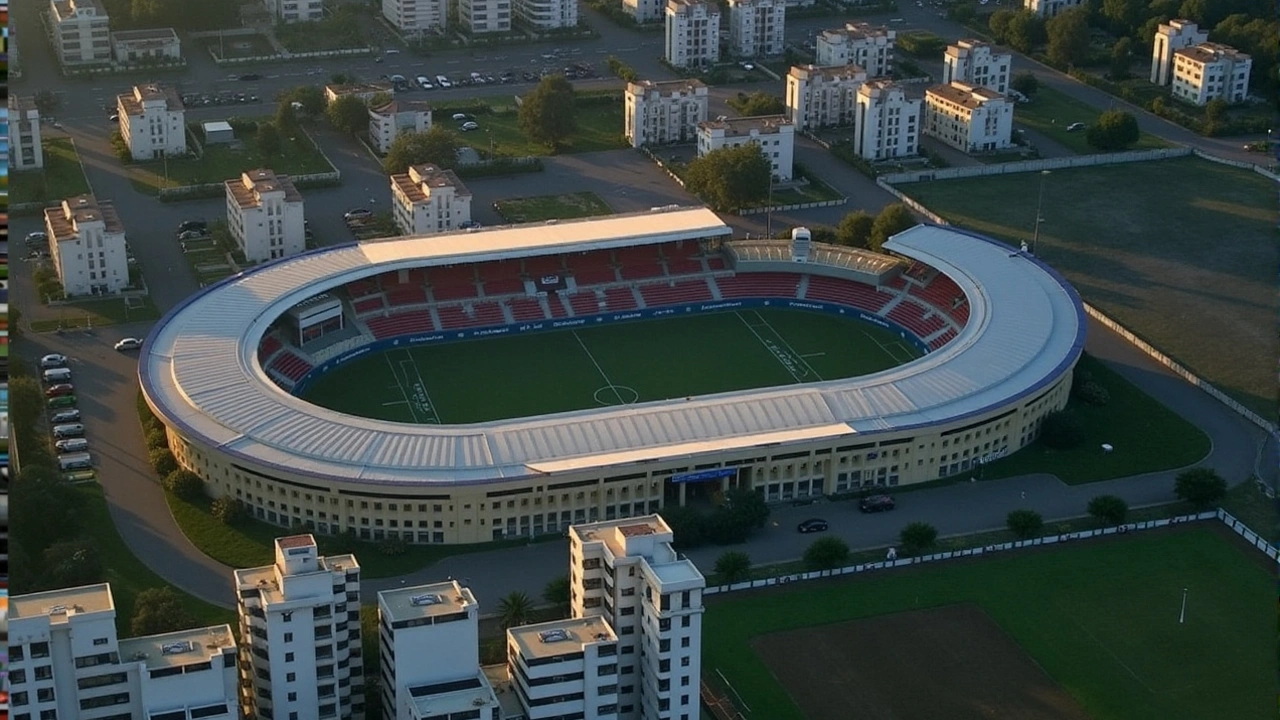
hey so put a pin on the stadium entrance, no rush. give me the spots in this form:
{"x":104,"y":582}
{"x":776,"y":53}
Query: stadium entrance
{"x":699,"y":488}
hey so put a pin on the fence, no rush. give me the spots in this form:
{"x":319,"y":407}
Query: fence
{"x":206,"y":190}
{"x":911,"y":202}
{"x":1023,"y":166}
{"x":797,"y":206}
{"x":1237,"y":163}
{"x":649,"y":153}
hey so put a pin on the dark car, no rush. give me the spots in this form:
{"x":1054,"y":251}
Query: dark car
{"x":877,"y":503}
{"x":60,"y":390}
{"x":249,"y":77}
{"x":812,"y":525}
{"x":193,"y":226}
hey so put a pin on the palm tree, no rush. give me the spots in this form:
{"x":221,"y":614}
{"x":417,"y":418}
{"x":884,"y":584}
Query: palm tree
{"x":515,"y":609}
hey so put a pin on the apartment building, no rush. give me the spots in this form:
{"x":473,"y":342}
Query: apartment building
{"x":1210,"y":71}
{"x":888,"y":122}
{"x":645,"y":11}
{"x":300,"y":619}
{"x":869,"y":47}
{"x":969,"y":118}
{"x":265,"y":215}
{"x":87,"y":245}
{"x":155,"y":45}
{"x":775,"y":135}
{"x":364,"y":91}
{"x":975,"y":62}
{"x":658,"y":113}
{"x":152,"y":121}
{"x":292,"y":11}
{"x":66,"y":661}
{"x":434,"y":631}
{"x":1170,"y":37}
{"x":427,"y":200}
{"x":484,"y":16}
{"x":1050,"y":8}
{"x":569,"y":669}
{"x":25,"y":149}
{"x":548,"y":14}
{"x":386,"y":122}
{"x":650,"y":600}
{"x":756,"y":28}
{"x":819,"y":97}
{"x":80,"y":32}
{"x":693,"y":33}
{"x":414,"y":17}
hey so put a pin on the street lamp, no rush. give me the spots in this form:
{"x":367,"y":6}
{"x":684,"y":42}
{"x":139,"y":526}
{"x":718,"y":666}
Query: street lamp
{"x":1035,"y":237}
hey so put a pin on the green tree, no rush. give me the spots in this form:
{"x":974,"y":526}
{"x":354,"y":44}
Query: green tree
{"x":43,"y":508}
{"x":185,"y":484}
{"x":854,"y":229}
{"x":1026,"y":31}
{"x":892,"y":220}
{"x":748,"y":506}
{"x":228,"y":510}
{"x":548,"y":115}
{"x":348,"y":114}
{"x":1115,"y":130}
{"x":343,"y":79}
{"x":1062,"y":430}
{"x":917,"y":537}
{"x":686,"y":525}
{"x":1024,"y":524}
{"x":1201,"y":487}
{"x":163,"y":461}
{"x":156,"y":13}
{"x":731,"y":177}
{"x":377,"y":100}
{"x":1121,"y":56}
{"x":998,"y":23}
{"x":558,"y":593}
{"x":310,"y":97}
{"x":1123,"y":15}
{"x":1069,"y":37}
{"x":514,"y":610}
{"x":1215,"y":109}
{"x":759,"y":103}
{"x":160,"y":610}
{"x":47,"y":103}
{"x":733,"y":567}
{"x":1109,"y":509}
{"x":286,"y":119}
{"x":1025,"y":82}
{"x":71,"y":564}
{"x":268,"y":138}
{"x":621,"y":70}
{"x":827,"y":553}
{"x":437,"y":146}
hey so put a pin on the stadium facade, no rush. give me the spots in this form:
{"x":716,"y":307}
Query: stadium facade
{"x":1001,"y":333}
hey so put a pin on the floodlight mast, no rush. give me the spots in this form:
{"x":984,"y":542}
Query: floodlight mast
{"x":1035,"y":237}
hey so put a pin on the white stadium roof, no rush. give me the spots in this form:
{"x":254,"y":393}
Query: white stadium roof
{"x":200,"y":371}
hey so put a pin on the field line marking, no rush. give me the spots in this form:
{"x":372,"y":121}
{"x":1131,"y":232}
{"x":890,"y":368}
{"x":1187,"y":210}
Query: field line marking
{"x":599,"y":369}
{"x":434,"y":416}
{"x":1110,"y":652}
{"x":774,"y":350}
{"x":813,"y":355}
{"x":400,"y":385}
{"x":788,"y":346}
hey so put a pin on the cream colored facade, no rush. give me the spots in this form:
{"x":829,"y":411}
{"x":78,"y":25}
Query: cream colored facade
{"x":659,"y":113}
{"x":484,"y":16}
{"x":888,"y":122}
{"x":975,"y":62}
{"x":1171,"y":37}
{"x":645,"y":11}
{"x":548,"y":14}
{"x":1210,"y":71}
{"x":87,"y":244}
{"x":819,"y":97}
{"x":25,"y":149}
{"x":968,"y":118}
{"x":1050,"y":8}
{"x":775,"y":134}
{"x":693,"y":33}
{"x":417,"y":16}
{"x":292,"y":11}
{"x":135,"y":46}
{"x":153,"y":122}
{"x":266,"y":215}
{"x":80,"y":31}
{"x":757,"y":28}
{"x":427,"y":200}
{"x":861,"y":44}
{"x":364,"y":91}
{"x":388,"y":121}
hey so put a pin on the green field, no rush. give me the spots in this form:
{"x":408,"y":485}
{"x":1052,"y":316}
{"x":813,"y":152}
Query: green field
{"x":614,"y":364}
{"x":552,"y":207}
{"x":1052,"y":112}
{"x":1101,"y":618}
{"x":60,"y":178}
{"x":1182,"y":252}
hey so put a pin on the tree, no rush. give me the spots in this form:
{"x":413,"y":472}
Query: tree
{"x":826,"y":553}
{"x":892,"y":220}
{"x":1026,"y":31}
{"x":1215,"y":109}
{"x":343,"y":79}
{"x":1062,"y":430}
{"x":1123,"y":14}
{"x":1201,"y":487}
{"x":733,"y":567}
{"x":759,"y":103}
{"x":437,"y":146}
{"x":227,"y":510}
{"x":1109,"y":509}
{"x":163,"y":461}
{"x":1024,"y":523}
{"x":1115,"y":130}
{"x":348,"y":114}
{"x":854,"y":229}
{"x":514,"y":610}
{"x":268,"y":140}
{"x":160,"y":610}
{"x":917,"y":537}
{"x":1026,"y":83}
{"x":557,"y":592}
{"x":377,"y":100}
{"x":548,"y":114}
{"x":286,"y":119}
{"x":47,"y":103}
{"x":185,"y":484}
{"x":1069,"y":37}
{"x":310,"y":97}
{"x":71,"y":564}
{"x":42,"y":510}
{"x":686,"y":525}
{"x":999,"y":24}
{"x":730,"y":178}
{"x":747,"y":506}
{"x":1121,"y":56}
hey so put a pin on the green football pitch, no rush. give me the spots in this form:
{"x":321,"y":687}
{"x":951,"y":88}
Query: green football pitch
{"x":615,"y":364}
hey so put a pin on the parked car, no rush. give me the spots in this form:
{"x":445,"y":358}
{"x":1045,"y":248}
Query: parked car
{"x":191,"y":235}
{"x":877,"y":503}
{"x":128,"y":344}
{"x":461,"y":117}
{"x":812,"y":525}
{"x":37,"y":237}
{"x":60,"y":389}
{"x":357,"y":214}
{"x":114,"y":117}
{"x":65,"y":416}
{"x":71,"y":445}
{"x":250,"y":77}
{"x":70,"y":430}
{"x":53,"y":360}
{"x":188,"y":225}
{"x":443,"y":81}
{"x":1075,"y":126}
{"x":62,"y":401}
{"x":469,"y":126}
{"x":424,"y":82}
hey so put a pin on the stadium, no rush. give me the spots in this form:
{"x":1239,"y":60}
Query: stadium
{"x":508,"y":382}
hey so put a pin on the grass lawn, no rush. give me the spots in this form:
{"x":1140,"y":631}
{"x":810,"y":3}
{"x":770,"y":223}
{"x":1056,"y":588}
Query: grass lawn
{"x":1101,"y":618}
{"x":97,"y":313}
{"x":1182,"y":252}
{"x":553,"y":207}
{"x":599,"y":128}
{"x":1050,"y":112}
{"x":815,"y":191}
{"x":1248,"y":504}
{"x":62,"y":176}
{"x":1146,"y":435}
{"x":240,"y":46}
{"x":1000,"y":157}
{"x":298,"y":156}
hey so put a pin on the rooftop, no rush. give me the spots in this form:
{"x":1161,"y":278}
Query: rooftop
{"x":296,"y":541}
{"x":761,"y":124}
{"x":857,"y":31}
{"x":132,"y":102}
{"x":966,"y":44}
{"x":687,"y":5}
{"x":830,"y":72}
{"x":609,"y":532}
{"x":63,"y":220}
{"x":560,"y":637}
{"x":153,"y":34}
{"x":22,"y":103}
{"x":964,"y":94}
{"x":412,"y":182}
{"x":446,"y":704}
{"x":1211,"y":52}
{"x":395,"y":107}
{"x":359,"y":88}
{"x":770,"y":250}
{"x":666,"y":86}
{"x":443,"y":598}
{"x":58,"y":603}
{"x":185,"y":647}
{"x":679,"y":571}
{"x":66,"y":8}
{"x":247,"y":190}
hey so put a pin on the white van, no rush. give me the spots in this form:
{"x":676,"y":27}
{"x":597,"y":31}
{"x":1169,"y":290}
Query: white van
{"x":71,"y":445}
{"x":53,"y":376}
{"x":75,"y":461}
{"x":70,"y":430}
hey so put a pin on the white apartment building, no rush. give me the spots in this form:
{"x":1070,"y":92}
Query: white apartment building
{"x":135,"y":46}
{"x":80,"y":32}
{"x":427,"y":200}
{"x":300,"y":619}
{"x":569,"y":669}
{"x":417,"y":16}
{"x":65,"y":661}
{"x":87,"y":244}
{"x":645,"y":11}
{"x":1050,"y":8}
{"x":861,"y":44}
{"x":775,"y":135}
{"x":756,"y":27}
{"x":265,"y":215}
{"x":152,"y":122}
{"x":484,"y":16}
{"x":975,"y":62}
{"x":888,"y":122}
{"x":434,"y":632}
{"x":1171,"y":37}
{"x":364,"y":91}
{"x":658,"y":113}
{"x":626,"y":572}
{"x":1209,"y":71}
{"x":548,"y":14}
{"x":693,"y":33}
{"x":25,"y":150}
{"x":820,"y":97}
{"x":292,"y":11}
{"x":398,"y":116}
{"x":968,"y":118}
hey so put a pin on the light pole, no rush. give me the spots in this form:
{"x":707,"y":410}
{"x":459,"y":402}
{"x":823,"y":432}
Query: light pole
{"x":1035,"y":237}
{"x":768,"y":210}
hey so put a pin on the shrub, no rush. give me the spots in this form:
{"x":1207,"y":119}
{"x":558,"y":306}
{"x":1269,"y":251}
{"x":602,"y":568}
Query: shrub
{"x":156,"y":438}
{"x":1093,"y":393}
{"x":392,"y":547}
{"x":228,"y":510}
{"x":733,"y":566}
{"x":183,"y":483}
{"x":918,"y":537}
{"x":1201,"y":487}
{"x":826,"y":553}
{"x":1109,"y":509}
{"x":163,"y":462}
{"x":1024,"y":523}
{"x":1062,"y":430}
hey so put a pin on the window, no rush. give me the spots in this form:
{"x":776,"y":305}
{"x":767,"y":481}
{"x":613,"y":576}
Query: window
{"x":288,"y":637}
{"x":288,"y":657}
{"x":290,"y":677}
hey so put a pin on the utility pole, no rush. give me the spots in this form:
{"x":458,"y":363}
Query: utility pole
{"x":1035,"y":237}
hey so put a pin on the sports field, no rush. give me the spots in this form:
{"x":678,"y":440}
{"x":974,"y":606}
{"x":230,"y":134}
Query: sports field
{"x":614,"y":364}
{"x":1064,"y":632}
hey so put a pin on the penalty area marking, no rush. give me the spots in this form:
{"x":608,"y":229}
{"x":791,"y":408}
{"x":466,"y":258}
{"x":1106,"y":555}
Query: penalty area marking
{"x":624,"y":394}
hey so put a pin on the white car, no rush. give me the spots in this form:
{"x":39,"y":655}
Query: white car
{"x":1075,"y":126}
{"x":128,"y":344}
{"x":469,"y":126}
{"x":36,"y":237}
{"x":53,"y":360}
{"x":443,"y":81}
{"x":424,"y":82}
{"x":460,"y":117}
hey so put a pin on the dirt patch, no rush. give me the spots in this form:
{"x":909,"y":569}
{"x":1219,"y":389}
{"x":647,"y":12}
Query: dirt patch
{"x":952,"y":662}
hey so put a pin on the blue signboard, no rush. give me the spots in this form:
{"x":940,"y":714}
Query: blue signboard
{"x":701,"y":475}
